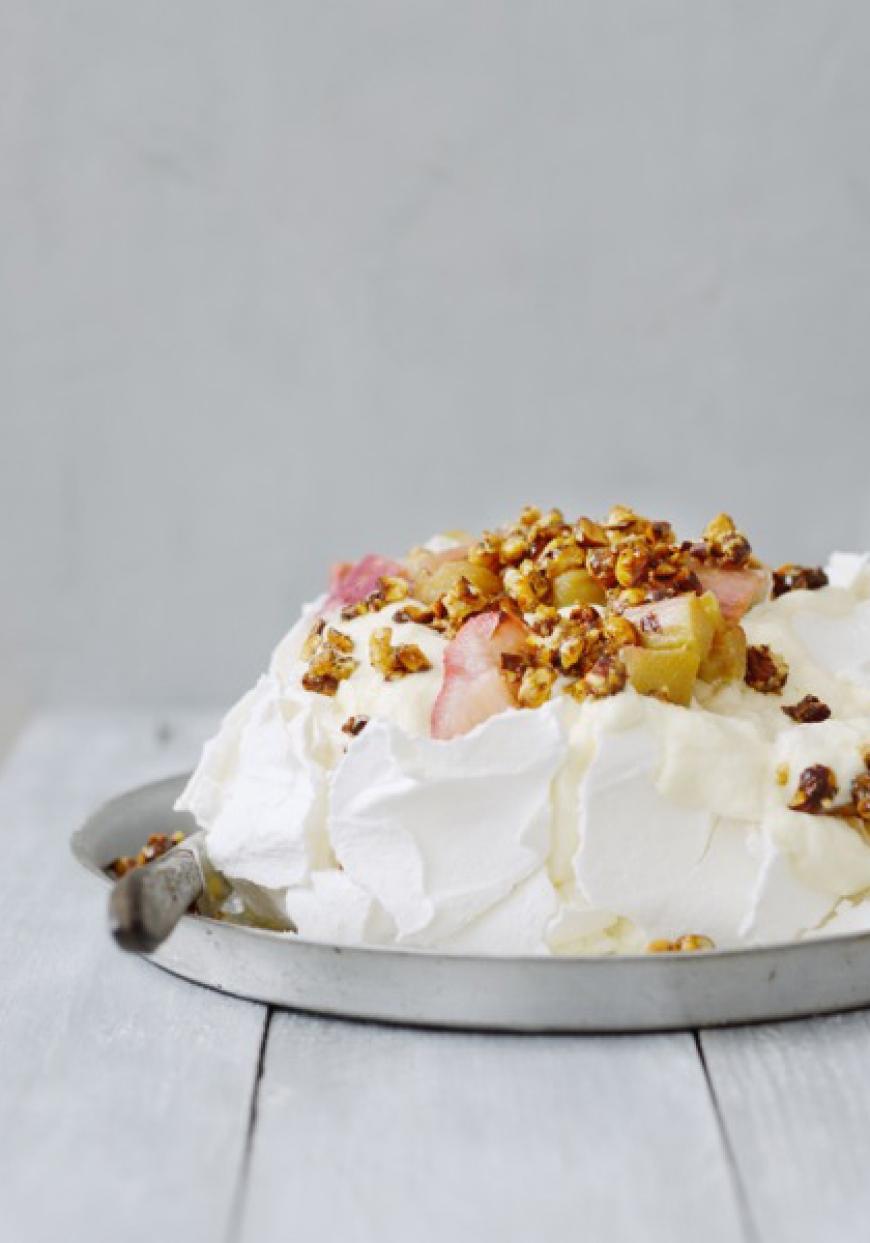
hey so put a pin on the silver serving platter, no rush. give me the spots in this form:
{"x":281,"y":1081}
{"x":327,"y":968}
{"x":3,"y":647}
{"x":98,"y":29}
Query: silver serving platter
{"x":632,"y":993}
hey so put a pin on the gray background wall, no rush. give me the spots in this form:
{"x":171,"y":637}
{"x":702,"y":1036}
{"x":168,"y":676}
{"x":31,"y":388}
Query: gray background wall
{"x":285,"y":281}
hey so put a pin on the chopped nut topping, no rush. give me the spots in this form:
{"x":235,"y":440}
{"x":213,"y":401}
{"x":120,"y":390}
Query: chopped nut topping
{"x":514,"y":547}
{"x":354,"y":725}
{"x":601,"y":564}
{"x":158,"y":844}
{"x":412,"y":659}
{"x":632,"y":563}
{"x":817,"y":789}
{"x":535,"y":687}
{"x":798,"y":578}
{"x":606,"y":677}
{"x":487,"y":552}
{"x":418,"y":613}
{"x":527,"y":585}
{"x":395,"y":662}
{"x":619,"y":632}
{"x":513,"y":662}
{"x":338,"y":641}
{"x":462,"y":601}
{"x":719,"y":528}
{"x":394,"y":589}
{"x":689,"y":944}
{"x":765,"y":670}
{"x":542,"y":568}
{"x":571,"y":652}
{"x":390,"y":590}
{"x":808,"y":711}
{"x":329,"y":659}
{"x":724,"y":543}
{"x":320,"y":683}
{"x":620,"y":518}
{"x":309,"y":647}
{"x":861,"y":795}
{"x":589,"y":534}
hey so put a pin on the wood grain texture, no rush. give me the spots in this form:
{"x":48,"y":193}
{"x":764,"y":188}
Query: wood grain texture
{"x":389,"y":1135}
{"x":124,"y":1093}
{"x":795,"y":1103}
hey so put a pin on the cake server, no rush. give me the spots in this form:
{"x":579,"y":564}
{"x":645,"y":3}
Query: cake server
{"x":147,"y":902}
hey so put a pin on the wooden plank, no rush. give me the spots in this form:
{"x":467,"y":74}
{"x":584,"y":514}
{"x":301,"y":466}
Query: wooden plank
{"x":124,"y":1093}
{"x":387,"y":1135}
{"x":795,"y":1103}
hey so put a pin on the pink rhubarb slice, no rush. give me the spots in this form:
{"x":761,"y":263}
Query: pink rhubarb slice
{"x":736,"y":590}
{"x":351,"y":582}
{"x":473,"y":688}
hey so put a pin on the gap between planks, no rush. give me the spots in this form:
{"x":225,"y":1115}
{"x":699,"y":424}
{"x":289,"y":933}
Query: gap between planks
{"x":750,"y":1230}
{"x":237,"y":1208}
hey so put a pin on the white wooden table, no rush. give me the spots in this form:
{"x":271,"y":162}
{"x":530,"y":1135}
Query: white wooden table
{"x":136,"y":1106}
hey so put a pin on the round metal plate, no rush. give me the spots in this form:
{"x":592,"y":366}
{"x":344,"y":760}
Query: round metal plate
{"x":637,"y":993}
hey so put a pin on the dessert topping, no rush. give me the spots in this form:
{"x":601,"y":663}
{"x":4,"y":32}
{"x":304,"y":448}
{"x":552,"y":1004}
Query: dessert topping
{"x":808,"y":711}
{"x":328,"y":652}
{"x":354,"y":725}
{"x":158,"y":844}
{"x":395,"y":661}
{"x":688,"y":944}
{"x":798,"y":578}
{"x":535,"y":685}
{"x":601,"y":604}
{"x":817,"y":789}
{"x":481,"y":665}
{"x":724,"y":543}
{"x":766,"y":671}
{"x":861,"y":795}
{"x":606,"y":677}
{"x":390,"y":590}
{"x":353,"y":581}
{"x":417,"y":613}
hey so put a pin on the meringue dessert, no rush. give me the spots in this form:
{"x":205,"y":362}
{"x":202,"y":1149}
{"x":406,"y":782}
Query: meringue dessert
{"x":561,"y":737}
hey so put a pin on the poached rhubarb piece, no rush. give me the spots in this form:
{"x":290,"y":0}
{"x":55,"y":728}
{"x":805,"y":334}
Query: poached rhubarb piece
{"x":425,"y":561}
{"x":473,"y":688}
{"x":736,"y":590}
{"x":351,"y":582}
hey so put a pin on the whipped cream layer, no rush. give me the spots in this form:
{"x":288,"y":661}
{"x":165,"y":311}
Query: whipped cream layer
{"x":591,"y":827}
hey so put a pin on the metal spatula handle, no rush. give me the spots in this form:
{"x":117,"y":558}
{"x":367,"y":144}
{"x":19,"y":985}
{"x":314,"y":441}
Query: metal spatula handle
{"x":147,"y":902}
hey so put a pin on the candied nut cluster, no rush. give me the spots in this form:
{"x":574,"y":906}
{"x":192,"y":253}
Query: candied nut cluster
{"x":158,"y":844}
{"x":395,"y":661}
{"x":582,"y":646}
{"x":535,"y":686}
{"x":389,"y":590}
{"x":816,"y":791}
{"x":544,"y":560}
{"x":857,"y":810}
{"x":860,"y":792}
{"x":328,"y":653}
{"x":725,"y":544}
{"x":766,"y":671}
{"x":808,"y":711}
{"x":419,"y":614}
{"x":798,"y":578}
{"x":688,"y":944}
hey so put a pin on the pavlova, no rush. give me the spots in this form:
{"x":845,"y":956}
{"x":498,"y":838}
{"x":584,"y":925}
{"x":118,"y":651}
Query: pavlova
{"x":561,"y":737}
